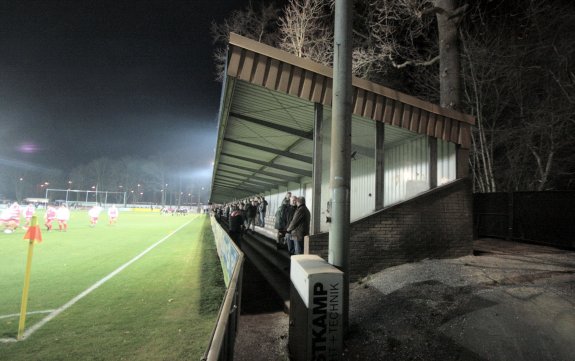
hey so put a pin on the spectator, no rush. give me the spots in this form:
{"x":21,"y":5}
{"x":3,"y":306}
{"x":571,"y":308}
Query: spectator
{"x":280,"y":222}
{"x":299,"y":225}
{"x":251,"y":213}
{"x":288,"y":216}
{"x":262,"y":207}
{"x":236,"y":225}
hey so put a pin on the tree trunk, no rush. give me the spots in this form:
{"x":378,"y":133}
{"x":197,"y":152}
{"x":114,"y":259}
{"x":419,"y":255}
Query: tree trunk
{"x":449,"y":69}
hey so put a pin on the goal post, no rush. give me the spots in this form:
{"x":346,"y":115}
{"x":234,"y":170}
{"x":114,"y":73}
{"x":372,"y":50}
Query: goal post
{"x":86,"y":197}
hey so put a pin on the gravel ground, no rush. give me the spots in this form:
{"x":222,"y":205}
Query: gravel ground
{"x":510,"y":302}
{"x":513,"y":302}
{"x":263,"y":325}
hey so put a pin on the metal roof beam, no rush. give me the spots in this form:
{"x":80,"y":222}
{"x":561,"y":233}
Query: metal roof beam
{"x":235,"y":184}
{"x":301,"y":172}
{"x":248,"y":180}
{"x":247,"y":191}
{"x":267,"y":181}
{"x":269,"y":174}
{"x":301,"y":158}
{"x":229,"y":192}
{"x":238,"y":182}
{"x":283,"y":128}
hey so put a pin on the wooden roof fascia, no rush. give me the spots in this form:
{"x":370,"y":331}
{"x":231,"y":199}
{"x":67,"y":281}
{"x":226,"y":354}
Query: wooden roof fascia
{"x":306,"y":64}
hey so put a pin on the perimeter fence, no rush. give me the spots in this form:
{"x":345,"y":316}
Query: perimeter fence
{"x":221,"y":347}
{"x":536,"y":217}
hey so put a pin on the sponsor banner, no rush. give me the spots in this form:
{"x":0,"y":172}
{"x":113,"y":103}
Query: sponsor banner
{"x":320,"y":287}
{"x":325,"y":315}
{"x":227,"y":251}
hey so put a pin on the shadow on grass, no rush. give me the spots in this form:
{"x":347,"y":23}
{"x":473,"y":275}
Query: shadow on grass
{"x":212,"y":280}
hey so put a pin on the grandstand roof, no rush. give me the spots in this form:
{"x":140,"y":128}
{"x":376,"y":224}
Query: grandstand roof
{"x":266,"y":118}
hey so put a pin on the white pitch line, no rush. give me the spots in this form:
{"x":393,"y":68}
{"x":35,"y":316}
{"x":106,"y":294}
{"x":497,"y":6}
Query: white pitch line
{"x":27,"y":313}
{"x":70,"y":303}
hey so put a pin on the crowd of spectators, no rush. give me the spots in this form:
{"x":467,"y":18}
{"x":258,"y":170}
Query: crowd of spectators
{"x":292,"y":220}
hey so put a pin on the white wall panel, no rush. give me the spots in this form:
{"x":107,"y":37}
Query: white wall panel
{"x":446,"y":162}
{"x":406,"y":170}
{"x":362,"y":187}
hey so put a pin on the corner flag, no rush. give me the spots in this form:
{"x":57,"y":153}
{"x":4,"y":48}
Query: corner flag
{"x":33,"y":234}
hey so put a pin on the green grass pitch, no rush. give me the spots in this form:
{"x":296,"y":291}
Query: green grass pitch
{"x":163,"y":306}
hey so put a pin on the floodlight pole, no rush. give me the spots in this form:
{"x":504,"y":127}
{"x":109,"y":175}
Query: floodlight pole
{"x":340,"y":165}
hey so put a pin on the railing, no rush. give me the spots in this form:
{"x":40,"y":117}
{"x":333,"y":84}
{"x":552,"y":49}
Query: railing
{"x":221,"y":347}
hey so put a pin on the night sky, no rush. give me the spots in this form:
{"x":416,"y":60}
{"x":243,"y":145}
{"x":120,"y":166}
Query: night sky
{"x":83,"y":79}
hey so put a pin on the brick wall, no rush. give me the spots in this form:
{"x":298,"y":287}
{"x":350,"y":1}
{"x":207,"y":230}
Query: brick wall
{"x":435,"y":224}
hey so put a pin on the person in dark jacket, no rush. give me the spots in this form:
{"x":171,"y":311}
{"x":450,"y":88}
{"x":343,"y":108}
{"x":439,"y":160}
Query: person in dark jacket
{"x":280,"y":222}
{"x":288,"y":216}
{"x":299,"y":225}
{"x":262,"y":208}
{"x":236,"y":225}
{"x":251,"y":214}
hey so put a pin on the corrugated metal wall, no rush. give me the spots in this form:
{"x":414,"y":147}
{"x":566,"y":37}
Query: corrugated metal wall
{"x":362,"y":190}
{"x":406,"y":170}
{"x":446,"y":170}
{"x":406,"y":173}
{"x":362,"y":186}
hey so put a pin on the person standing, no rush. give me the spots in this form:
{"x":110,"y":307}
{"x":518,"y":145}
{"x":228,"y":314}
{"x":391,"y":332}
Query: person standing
{"x":299,"y":225}
{"x":49,"y":217}
{"x":112,"y":215}
{"x":63,"y":215}
{"x":94,"y":214}
{"x":29,"y":212}
{"x":288,"y":216}
{"x":11,"y":218}
{"x":15,"y":210}
{"x":262,"y":208}
{"x":236,"y":225}
{"x":251,"y":213}
{"x":280,"y":222}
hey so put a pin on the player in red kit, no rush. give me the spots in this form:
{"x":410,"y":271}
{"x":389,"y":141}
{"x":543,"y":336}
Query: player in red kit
{"x":28,"y":214}
{"x":113,"y":214}
{"x":63,"y":215}
{"x":49,"y":217}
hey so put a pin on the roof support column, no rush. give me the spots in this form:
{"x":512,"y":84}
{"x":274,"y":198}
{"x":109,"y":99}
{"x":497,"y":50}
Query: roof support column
{"x":462,"y":162}
{"x":432,"y":162}
{"x":340,"y":165}
{"x":379,"y":165}
{"x":317,"y":168}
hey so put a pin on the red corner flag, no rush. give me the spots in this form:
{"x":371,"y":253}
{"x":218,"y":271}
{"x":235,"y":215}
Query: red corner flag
{"x":33,"y":233}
